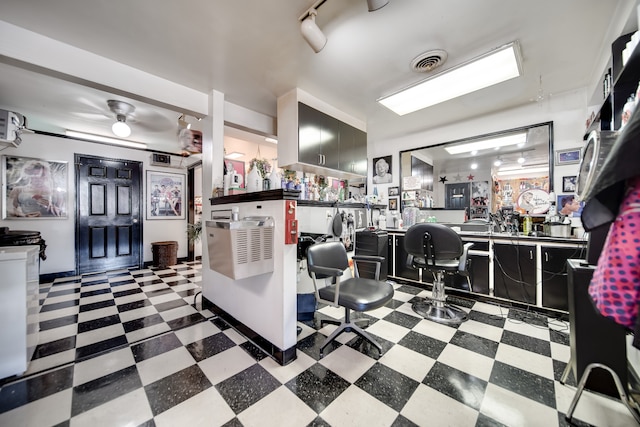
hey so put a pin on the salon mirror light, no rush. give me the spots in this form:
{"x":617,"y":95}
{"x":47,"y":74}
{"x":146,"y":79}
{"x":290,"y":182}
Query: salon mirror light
{"x":510,"y":162}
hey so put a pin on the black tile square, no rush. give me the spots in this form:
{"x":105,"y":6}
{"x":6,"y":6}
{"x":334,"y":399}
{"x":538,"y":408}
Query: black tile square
{"x":104,"y":389}
{"x":458,"y":385}
{"x":155,"y":346}
{"x":472,"y":342}
{"x":158,"y":292}
{"x":394,"y":303}
{"x":401,"y":421}
{"x":402,"y":319}
{"x":247,"y":387}
{"x":525,"y":342}
{"x":423,"y":344}
{"x":560,"y":337}
{"x":59,"y":305}
{"x":176,"y":388}
{"x":169,"y":305}
{"x":311,"y":345}
{"x":185,"y":321}
{"x":489,"y":319}
{"x":22,"y":392}
{"x":100,"y":347}
{"x":524,"y":383}
{"x":143,"y":322}
{"x":96,"y":305}
{"x":388,"y":386}
{"x":53,"y":347}
{"x":58,"y":322}
{"x":254,"y":351}
{"x":412,"y":290}
{"x":150,"y":282}
{"x":177,"y":282}
{"x":94,"y":282}
{"x":94,"y":292}
{"x":168,"y":274}
{"x":209,"y":346}
{"x":61,"y":293}
{"x":318,"y":386}
{"x":529,"y":317}
{"x":143,"y":274}
{"x":94,"y":324}
{"x":134,"y":305}
{"x":128,"y":292}
{"x":188,"y":292}
{"x":117,"y":283}
{"x":367,"y":348}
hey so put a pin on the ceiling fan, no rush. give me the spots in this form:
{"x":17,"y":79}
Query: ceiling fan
{"x":126,"y":117}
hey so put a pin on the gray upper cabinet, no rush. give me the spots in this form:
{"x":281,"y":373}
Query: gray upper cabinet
{"x":312,"y":141}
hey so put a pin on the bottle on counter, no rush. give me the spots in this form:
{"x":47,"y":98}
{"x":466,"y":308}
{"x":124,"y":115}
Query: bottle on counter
{"x":254,"y":182}
{"x":526,"y":224}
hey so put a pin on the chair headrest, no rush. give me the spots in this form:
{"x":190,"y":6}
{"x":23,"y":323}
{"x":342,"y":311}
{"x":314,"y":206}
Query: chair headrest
{"x":447,"y":244}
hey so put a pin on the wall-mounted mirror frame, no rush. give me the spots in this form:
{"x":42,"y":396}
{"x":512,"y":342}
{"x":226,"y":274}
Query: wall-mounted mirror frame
{"x":426,"y":173}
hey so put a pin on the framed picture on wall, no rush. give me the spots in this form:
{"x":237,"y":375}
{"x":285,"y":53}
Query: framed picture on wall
{"x":165,"y":195}
{"x":568,"y":184}
{"x":394,"y":191}
{"x":382,"y":170}
{"x":393,"y":203}
{"x":34,"y":188}
{"x":568,"y":157}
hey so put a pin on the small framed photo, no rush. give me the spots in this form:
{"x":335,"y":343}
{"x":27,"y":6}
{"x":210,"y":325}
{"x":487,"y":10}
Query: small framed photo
{"x":165,"y":195}
{"x":394,"y":191}
{"x":568,"y":157}
{"x":569,"y":184}
{"x":393,"y":203}
{"x":34,"y":188}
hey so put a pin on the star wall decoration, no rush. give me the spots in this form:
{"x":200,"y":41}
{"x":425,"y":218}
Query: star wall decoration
{"x":470,"y":177}
{"x":457,"y":178}
{"x":443,"y":179}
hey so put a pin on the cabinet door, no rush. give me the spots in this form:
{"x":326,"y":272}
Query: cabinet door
{"x":479,"y":269}
{"x":390,"y":259}
{"x":514,"y":269}
{"x":330,"y":137}
{"x":402,"y":270}
{"x":309,"y":135}
{"x":353,"y":150}
{"x":554,"y":276}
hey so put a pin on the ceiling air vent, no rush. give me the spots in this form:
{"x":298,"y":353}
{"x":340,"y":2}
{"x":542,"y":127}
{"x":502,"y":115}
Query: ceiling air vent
{"x":428,"y":61}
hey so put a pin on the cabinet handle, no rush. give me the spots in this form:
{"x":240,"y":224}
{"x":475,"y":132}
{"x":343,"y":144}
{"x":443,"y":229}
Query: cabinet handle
{"x":319,"y":159}
{"x":546,"y":256}
{"x":530,"y":254}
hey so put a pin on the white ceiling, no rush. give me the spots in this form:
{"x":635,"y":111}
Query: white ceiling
{"x":253,"y":52}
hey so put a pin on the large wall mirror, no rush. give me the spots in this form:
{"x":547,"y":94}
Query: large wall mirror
{"x":511,"y":168}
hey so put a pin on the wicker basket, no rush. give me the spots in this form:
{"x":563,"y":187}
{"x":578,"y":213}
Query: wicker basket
{"x":164,"y":253}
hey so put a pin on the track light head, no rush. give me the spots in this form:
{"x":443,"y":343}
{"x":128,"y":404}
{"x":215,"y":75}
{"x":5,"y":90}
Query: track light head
{"x":312,"y":33}
{"x":374,"y":5}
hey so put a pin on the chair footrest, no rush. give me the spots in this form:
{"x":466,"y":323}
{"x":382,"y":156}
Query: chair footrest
{"x":438,"y":312}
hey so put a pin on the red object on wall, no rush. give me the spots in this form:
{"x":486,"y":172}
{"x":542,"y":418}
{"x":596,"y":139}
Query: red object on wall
{"x":290,"y":223}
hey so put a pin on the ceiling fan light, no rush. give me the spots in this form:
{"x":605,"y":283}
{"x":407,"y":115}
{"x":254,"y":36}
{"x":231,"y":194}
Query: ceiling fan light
{"x":374,"y":5}
{"x":121,"y":128}
{"x":312,"y":33}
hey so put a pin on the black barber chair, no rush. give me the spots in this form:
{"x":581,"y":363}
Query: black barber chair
{"x":328,"y":261}
{"x":439,"y":250}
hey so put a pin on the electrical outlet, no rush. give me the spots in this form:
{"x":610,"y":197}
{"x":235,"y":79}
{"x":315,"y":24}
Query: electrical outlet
{"x":329,"y":215}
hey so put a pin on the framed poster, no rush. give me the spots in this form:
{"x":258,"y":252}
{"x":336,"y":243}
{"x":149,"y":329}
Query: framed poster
{"x":165,"y":195}
{"x":568,"y":184}
{"x":568,"y":157}
{"x":382,"y":170}
{"x":238,"y":176}
{"x":34,"y":188}
{"x":393,"y":203}
{"x":394,"y":191}
{"x":569,"y":205}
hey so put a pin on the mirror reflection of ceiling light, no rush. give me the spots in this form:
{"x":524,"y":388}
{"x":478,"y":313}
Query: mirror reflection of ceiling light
{"x":521,"y":159}
{"x":523,"y":170}
{"x":474,"y":166}
{"x":499,"y":65}
{"x":497,"y":162}
{"x":486,"y":144}
{"x":234,"y":155}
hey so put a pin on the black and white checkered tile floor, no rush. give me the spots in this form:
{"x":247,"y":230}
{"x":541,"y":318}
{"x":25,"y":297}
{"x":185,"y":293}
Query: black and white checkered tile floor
{"x":130,"y":348}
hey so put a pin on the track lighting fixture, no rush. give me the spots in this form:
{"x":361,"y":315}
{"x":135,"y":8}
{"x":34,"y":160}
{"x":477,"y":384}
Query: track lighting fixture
{"x":374,"y":5}
{"x":312,"y":33}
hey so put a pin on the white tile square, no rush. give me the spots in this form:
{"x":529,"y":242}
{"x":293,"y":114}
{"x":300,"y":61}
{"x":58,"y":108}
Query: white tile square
{"x":169,"y":296}
{"x":350,"y":364}
{"x":205,"y":409}
{"x":527,"y":329}
{"x":149,"y":331}
{"x":130,"y":298}
{"x":99,"y":313}
{"x":467,"y":361}
{"x":435,"y":330}
{"x":57,"y":333}
{"x":408,"y":362}
{"x":481,"y":329}
{"x":226,"y":364}
{"x":165,"y":364}
{"x":357,"y":408}
{"x":387,"y":330}
{"x":129,"y":409}
{"x":280,"y":408}
{"x":102,"y":365}
{"x":196,"y":332}
{"x":98,"y":335}
{"x":525,"y":360}
{"x":428,"y":407}
{"x":289,"y":371}
{"x":43,"y":316}
{"x":176,"y":313}
{"x":138,"y":313}
{"x":513,"y":409}
{"x":48,"y":411}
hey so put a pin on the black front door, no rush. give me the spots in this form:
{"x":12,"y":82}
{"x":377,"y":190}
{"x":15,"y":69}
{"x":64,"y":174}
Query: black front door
{"x":108,"y":214}
{"x":457,"y":196}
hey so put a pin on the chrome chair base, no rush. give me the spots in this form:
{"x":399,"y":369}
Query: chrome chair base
{"x":440,"y":312}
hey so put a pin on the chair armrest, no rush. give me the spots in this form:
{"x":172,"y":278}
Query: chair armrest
{"x":367,"y":258}
{"x":325,"y":271}
{"x":462,"y":266}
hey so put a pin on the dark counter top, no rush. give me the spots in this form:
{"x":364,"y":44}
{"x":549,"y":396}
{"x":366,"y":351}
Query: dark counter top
{"x":257,"y":196}
{"x":507,"y":236}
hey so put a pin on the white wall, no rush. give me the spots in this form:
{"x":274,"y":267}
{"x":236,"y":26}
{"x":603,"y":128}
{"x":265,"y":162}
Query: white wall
{"x":59,"y":234}
{"x":567,"y":111}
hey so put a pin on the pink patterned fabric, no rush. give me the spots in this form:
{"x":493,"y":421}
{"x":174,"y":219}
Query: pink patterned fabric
{"x":615,"y":286}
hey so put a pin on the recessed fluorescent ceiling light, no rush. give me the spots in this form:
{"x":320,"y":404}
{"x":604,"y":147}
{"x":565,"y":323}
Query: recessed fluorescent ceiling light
{"x":105,"y":139}
{"x":518,"y":171}
{"x":234,"y":155}
{"x":485,"y":144}
{"x":494,"y":67}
